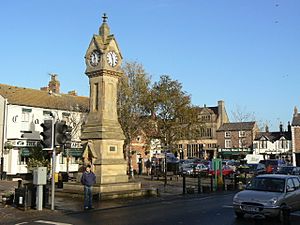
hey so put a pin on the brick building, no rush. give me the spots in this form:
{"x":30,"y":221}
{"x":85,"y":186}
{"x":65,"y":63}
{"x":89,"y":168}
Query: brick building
{"x":296,"y":137}
{"x":235,"y":140}
{"x":205,"y":145}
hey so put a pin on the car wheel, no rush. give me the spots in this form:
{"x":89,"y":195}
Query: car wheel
{"x":239,"y":215}
{"x":284,"y":214}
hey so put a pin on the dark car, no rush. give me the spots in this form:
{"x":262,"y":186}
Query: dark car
{"x":273,"y":164}
{"x":292,"y":170}
{"x":256,"y":168}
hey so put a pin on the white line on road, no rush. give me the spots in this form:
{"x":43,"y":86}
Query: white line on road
{"x":52,"y":222}
{"x":227,"y":206}
{"x":21,"y":223}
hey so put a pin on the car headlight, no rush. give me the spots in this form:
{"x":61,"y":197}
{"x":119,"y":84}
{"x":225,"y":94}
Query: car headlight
{"x":236,"y":199}
{"x":273,"y":201}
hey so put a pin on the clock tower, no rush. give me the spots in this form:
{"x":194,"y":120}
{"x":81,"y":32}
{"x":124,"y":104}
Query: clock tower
{"x":102,"y":135}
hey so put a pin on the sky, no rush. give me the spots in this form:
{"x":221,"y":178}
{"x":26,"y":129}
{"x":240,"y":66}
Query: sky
{"x":244,"y":52}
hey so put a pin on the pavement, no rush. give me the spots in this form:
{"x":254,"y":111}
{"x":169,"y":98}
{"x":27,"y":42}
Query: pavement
{"x":11,"y":214}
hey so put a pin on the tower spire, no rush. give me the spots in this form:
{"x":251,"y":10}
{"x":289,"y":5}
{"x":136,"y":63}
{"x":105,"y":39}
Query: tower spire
{"x":104,"y":30}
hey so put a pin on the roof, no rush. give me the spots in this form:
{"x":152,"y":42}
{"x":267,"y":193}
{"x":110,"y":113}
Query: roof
{"x":273,"y":136}
{"x":237,"y":126}
{"x":215,"y":110}
{"x":296,"y":120}
{"x":42,"y":99}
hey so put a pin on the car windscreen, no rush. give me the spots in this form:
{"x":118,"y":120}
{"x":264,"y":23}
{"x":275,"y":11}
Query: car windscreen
{"x":266,"y":184}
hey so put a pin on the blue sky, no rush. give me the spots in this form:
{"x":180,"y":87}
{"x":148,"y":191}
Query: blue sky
{"x":245,"y":52}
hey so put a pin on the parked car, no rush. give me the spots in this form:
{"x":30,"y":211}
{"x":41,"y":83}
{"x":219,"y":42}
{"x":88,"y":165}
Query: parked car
{"x":226,"y":171}
{"x":267,"y":194}
{"x":273,"y":164}
{"x":256,"y":168}
{"x":200,"y":168}
{"x":187,"y":169}
{"x":292,"y":170}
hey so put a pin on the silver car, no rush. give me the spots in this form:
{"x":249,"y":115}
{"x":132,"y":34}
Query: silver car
{"x":267,"y":194}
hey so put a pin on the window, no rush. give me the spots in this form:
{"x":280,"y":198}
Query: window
{"x":227,"y":134}
{"x":297,"y":183}
{"x":241,"y":143}
{"x":25,"y":114}
{"x":242,"y":133}
{"x":112,"y":148}
{"x":283,"y":144}
{"x":290,"y":183}
{"x":138,"y":139}
{"x":263,"y":144}
{"x":227,"y":143}
{"x":46,"y":113}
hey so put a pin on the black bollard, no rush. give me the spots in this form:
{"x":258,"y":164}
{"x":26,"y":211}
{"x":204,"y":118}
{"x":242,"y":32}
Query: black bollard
{"x":211,"y":183}
{"x":199,"y":184}
{"x":183,"y":184}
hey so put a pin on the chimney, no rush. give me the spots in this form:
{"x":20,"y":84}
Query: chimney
{"x":267,"y":128}
{"x":221,"y":111}
{"x":281,"y":127}
{"x":54,"y":84}
{"x":289,"y":127}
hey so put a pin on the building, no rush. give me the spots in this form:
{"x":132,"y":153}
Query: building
{"x":23,"y":110}
{"x":296,"y":137}
{"x":235,"y":139}
{"x":274,"y":145}
{"x":205,"y":145}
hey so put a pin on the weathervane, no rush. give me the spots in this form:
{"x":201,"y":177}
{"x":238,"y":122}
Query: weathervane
{"x":104,"y":17}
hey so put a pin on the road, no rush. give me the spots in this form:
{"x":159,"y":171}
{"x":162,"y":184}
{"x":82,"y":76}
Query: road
{"x":206,"y":210}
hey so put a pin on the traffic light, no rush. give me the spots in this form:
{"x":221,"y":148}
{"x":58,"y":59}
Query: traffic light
{"x":47,"y":139}
{"x":62,"y":133}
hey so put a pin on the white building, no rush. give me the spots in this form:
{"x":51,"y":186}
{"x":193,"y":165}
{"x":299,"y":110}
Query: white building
{"x":274,"y":144}
{"x":23,"y":110}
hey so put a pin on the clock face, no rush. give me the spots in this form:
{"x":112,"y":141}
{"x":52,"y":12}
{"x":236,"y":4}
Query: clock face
{"x":112,"y":58}
{"x":94,"y":58}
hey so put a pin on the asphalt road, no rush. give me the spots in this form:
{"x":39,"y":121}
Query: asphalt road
{"x":208,"y":210}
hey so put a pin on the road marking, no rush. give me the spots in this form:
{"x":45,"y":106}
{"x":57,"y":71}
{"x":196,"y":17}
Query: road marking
{"x":21,"y":223}
{"x":52,"y":222}
{"x":227,"y":206}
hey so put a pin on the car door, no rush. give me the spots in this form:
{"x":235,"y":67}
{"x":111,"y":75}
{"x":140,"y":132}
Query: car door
{"x":290,"y":197}
{"x":297,"y":192}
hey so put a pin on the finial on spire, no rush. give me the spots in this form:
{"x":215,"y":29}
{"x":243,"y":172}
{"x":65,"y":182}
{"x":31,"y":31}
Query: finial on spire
{"x":104,"y":17}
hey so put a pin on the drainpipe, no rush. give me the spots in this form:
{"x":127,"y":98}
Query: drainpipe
{"x":3,"y":136}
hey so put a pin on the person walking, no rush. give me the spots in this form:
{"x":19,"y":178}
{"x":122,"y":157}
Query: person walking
{"x":88,"y":179}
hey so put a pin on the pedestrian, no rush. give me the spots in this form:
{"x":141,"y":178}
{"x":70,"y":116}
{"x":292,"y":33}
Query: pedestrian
{"x":148,"y":166}
{"x":88,"y":179}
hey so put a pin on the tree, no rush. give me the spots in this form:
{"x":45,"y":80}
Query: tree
{"x":38,"y":158}
{"x":172,"y":110}
{"x":133,"y":100}
{"x":241,"y":116}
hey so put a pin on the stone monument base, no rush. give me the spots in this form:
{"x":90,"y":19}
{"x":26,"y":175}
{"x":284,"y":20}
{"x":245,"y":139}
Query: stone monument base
{"x":105,"y":191}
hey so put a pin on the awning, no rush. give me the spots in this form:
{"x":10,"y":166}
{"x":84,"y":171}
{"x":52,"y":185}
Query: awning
{"x":25,"y":152}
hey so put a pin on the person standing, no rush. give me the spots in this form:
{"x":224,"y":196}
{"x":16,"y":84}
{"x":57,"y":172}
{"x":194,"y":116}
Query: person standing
{"x":88,"y":179}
